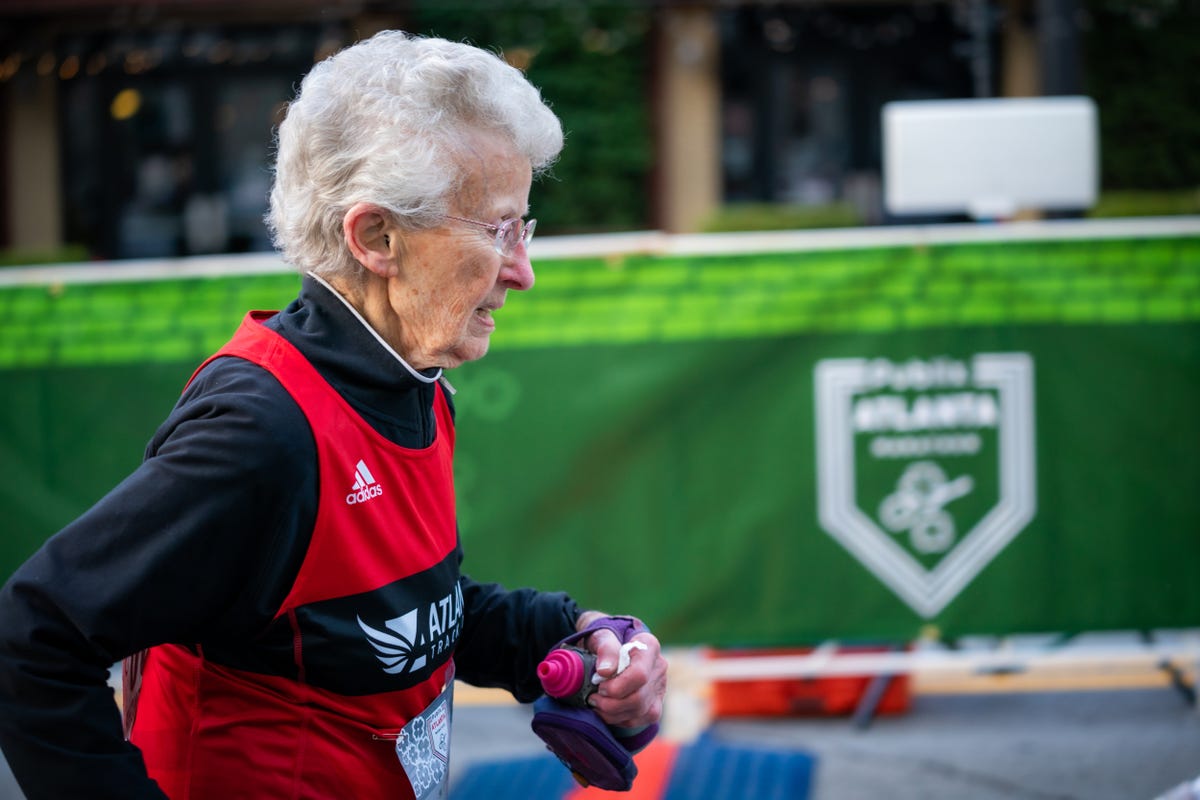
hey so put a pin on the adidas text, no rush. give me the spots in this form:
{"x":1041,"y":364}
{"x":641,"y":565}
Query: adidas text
{"x":363,"y":495}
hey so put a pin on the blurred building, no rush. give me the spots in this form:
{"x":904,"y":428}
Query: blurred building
{"x":142,"y":129}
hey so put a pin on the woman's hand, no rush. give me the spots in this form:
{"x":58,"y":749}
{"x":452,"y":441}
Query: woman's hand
{"x":634,"y":698}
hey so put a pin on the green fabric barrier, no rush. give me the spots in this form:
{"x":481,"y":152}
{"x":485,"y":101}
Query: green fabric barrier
{"x":644,"y":431}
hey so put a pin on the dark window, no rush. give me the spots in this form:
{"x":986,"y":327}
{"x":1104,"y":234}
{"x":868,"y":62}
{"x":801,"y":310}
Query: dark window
{"x":167,"y":138}
{"x":803,"y":88}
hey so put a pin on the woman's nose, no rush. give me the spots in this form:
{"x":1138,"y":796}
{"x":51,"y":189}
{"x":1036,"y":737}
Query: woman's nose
{"x":517,"y":271}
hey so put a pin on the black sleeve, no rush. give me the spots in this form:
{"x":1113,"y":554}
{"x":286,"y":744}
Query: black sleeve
{"x":201,"y":538}
{"x":507,"y":633}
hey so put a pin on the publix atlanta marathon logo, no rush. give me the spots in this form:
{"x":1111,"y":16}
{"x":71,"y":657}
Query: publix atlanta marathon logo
{"x":925,"y":468}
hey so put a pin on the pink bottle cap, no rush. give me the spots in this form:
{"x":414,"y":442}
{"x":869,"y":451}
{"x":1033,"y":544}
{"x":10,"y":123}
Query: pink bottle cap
{"x":561,"y":673}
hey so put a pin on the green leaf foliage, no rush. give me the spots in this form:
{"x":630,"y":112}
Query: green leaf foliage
{"x":1143,"y":70}
{"x":591,"y":63}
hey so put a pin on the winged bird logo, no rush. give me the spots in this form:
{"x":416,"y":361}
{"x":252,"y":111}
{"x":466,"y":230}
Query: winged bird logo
{"x":395,"y":650}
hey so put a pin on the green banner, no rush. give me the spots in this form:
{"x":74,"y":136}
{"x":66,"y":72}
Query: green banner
{"x":745,"y":450}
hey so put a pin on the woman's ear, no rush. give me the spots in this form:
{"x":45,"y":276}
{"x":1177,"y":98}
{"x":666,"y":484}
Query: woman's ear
{"x":371,"y":238}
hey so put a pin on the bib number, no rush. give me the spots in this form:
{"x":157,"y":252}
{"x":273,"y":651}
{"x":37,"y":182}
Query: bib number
{"x":423,"y":747}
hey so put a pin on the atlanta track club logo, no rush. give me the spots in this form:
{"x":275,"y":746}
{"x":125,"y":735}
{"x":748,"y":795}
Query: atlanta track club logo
{"x":406,"y":643}
{"x":925,"y":468}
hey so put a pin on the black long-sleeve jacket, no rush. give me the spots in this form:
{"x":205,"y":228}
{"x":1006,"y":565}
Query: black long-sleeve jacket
{"x":202,"y":542}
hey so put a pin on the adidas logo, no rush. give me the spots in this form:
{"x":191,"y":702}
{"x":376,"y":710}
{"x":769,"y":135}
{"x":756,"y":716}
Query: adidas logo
{"x":364,"y":487}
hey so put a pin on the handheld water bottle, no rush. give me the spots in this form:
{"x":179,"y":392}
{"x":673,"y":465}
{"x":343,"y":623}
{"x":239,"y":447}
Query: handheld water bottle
{"x":596,"y":754}
{"x":568,"y":674}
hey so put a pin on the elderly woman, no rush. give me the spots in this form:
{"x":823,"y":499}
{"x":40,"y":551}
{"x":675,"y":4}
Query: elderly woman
{"x":281,"y":574}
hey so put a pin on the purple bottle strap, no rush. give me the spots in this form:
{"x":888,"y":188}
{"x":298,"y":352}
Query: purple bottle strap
{"x":624,"y":628}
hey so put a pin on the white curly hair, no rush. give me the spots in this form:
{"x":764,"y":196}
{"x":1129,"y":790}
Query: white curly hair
{"x":383,"y":122}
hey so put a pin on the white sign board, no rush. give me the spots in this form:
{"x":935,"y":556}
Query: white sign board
{"x":990,"y":158}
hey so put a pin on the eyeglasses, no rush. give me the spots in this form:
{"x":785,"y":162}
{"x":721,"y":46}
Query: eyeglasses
{"x":508,"y":233}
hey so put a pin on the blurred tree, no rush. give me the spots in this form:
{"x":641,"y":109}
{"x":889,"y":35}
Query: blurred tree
{"x":590,"y":61}
{"x":1143,"y":72}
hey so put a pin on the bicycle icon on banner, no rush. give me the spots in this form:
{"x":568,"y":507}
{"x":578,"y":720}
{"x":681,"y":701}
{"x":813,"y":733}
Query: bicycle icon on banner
{"x":918,"y":506}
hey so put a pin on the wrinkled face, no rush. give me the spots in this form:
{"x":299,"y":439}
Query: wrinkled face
{"x":450,"y":278}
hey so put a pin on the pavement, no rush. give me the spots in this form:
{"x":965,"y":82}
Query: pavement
{"x":990,"y":741}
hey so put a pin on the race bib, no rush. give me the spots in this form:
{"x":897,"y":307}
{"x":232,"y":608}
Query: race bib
{"x":423,"y":747}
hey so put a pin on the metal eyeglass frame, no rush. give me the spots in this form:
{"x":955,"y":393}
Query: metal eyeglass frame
{"x":508,"y":233}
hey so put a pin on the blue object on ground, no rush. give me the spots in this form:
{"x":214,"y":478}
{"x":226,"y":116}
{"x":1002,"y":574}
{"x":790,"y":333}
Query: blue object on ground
{"x":515,"y":779}
{"x":710,"y":769}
